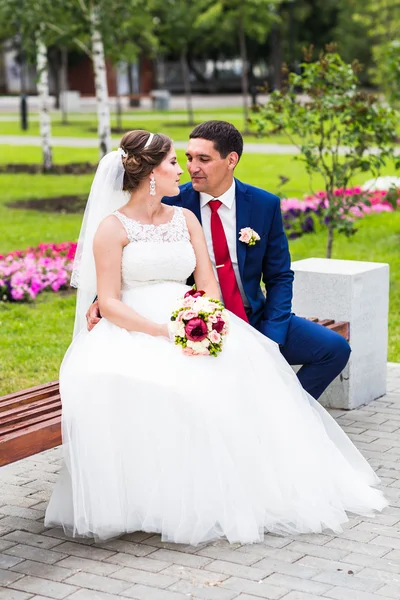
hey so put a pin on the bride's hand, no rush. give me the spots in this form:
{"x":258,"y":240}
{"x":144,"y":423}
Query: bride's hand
{"x":164,"y":331}
{"x":93,"y":315}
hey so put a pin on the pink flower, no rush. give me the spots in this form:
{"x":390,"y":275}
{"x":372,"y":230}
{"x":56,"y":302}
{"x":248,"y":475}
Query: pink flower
{"x":196,"y":330}
{"x":214,"y":337}
{"x":245,"y":236}
{"x":189,"y":314}
{"x":189,"y":301}
{"x":17,"y":294}
{"x":248,"y":236}
{"x":188,"y":351}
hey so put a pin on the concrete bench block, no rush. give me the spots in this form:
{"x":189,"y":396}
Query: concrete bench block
{"x":70,"y":101}
{"x":358,"y":292}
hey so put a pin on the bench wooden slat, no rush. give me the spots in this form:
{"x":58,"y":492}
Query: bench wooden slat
{"x":28,"y":410}
{"x":42,"y":388}
{"x":38,"y":418}
{"x":30,"y":422}
{"x":29,"y":395}
{"x":29,"y":441}
{"x":340,"y":327}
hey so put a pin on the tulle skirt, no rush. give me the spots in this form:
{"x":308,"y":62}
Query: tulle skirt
{"x":197,"y":448}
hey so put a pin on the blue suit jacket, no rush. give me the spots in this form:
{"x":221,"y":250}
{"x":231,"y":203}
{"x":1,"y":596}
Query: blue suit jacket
{"x":268,"y":259}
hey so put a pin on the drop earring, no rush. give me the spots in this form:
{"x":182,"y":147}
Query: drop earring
{"x":152,"y":186}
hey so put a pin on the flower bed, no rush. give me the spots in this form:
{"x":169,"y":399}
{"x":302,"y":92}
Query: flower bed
{"x":300,"y":216}
{"x":26,"y":273}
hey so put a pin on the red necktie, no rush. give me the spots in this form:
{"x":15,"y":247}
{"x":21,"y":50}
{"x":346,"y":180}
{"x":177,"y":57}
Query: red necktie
{"x":226,"y":275}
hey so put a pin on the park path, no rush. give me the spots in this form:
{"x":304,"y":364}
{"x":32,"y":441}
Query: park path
{"x":85,"y":142}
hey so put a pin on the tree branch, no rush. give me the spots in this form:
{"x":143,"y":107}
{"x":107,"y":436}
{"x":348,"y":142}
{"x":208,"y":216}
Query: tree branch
{"x":76,"y":40}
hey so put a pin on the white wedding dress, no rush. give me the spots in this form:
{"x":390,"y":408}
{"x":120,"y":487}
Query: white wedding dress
{"x":195,"y":448}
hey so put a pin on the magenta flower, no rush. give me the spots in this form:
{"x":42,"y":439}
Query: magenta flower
{"x":26,"y":273}
{"x":196,"y":330}
{"x":219,"y":325}
{"x":194,"y":293}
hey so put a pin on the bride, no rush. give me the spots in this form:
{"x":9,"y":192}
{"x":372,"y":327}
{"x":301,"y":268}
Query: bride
{"x":191,"y":447}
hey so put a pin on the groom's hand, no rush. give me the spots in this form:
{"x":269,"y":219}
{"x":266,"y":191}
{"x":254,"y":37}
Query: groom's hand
{"x":93,"y":315}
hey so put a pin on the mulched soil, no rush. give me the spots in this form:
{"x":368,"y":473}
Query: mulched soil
{"x":82,"y":168}
{"x":58,"y":204}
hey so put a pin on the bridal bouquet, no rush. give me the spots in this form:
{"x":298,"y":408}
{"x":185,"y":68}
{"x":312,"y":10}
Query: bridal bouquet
{"x":199,"y":324}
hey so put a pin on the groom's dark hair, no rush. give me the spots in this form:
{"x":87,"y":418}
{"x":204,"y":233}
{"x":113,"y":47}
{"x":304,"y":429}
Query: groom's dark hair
{"x":225,"y":136}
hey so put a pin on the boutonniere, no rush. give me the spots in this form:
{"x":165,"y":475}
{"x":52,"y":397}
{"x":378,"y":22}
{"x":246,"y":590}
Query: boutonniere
{"x":248,"y":236}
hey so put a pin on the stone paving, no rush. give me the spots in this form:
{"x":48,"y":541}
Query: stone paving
{"x":362,"y":563}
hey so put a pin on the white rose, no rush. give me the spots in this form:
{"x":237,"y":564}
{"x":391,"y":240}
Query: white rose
{"x":196,"y":346}
{"x":199,"y":304}
{"x":173,"y":326}
{"x":180,"y":331}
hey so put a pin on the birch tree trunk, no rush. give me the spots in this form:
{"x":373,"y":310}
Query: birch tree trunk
{"x":43,"y":91}
{"x":100,"y":78}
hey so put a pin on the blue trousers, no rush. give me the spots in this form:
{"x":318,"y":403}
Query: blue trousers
{"x":322,"y":352}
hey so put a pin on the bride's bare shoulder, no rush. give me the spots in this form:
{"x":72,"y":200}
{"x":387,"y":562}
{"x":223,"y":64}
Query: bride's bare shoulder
{"x":191,"y":219}
{"x":111,"y":229}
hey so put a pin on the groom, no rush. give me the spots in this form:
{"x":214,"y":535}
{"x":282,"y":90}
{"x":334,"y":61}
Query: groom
{"x":225,"y":206}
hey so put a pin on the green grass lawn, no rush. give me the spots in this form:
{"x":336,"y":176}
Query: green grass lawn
{"x":34,"y":337}
{"x":173,"y":123}
{"x":23,"y":228}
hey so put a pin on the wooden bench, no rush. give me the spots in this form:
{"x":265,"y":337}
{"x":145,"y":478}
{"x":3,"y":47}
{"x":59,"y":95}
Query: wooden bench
{"x":30,"y":420}
{"x":341,"y":327}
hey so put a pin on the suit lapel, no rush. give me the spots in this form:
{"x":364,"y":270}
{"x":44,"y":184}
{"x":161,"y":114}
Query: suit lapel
{"x":191,"y":200}
{"x":243,"y":214}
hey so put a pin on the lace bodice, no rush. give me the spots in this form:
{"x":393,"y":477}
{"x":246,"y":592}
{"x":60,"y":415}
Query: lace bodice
{"x":156,"y":253}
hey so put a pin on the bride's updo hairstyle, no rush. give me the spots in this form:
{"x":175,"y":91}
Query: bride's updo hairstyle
{"x":141,"y":160}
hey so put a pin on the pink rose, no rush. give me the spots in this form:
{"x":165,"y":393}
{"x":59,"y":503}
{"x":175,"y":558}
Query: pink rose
{"x":194,"y":293}
{"x":196,"y":330}
{"x":188,"y":315}
{"x":188,"y":351}
{"x":218,"y":326}
{"x":189,"y":301}
{"x":245,"y":236}
{"x":214,"y":337}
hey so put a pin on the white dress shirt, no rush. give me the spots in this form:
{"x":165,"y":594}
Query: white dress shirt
{"x":227,"y":213}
